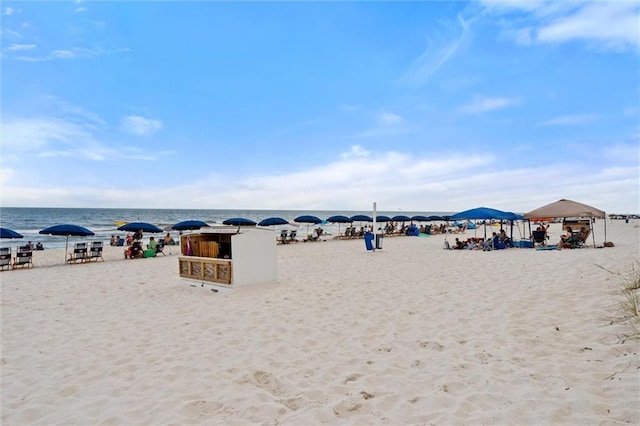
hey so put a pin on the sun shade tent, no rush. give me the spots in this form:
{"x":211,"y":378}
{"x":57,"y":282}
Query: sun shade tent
{"x":567,"y":208}
{"x":486,"y":213}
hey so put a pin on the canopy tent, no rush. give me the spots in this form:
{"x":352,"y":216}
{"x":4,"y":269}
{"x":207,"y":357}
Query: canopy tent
{"x":486,"y":213}
{"x":567,"y":208}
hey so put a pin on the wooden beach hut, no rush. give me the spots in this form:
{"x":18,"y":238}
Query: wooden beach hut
{"x":228,"y":257}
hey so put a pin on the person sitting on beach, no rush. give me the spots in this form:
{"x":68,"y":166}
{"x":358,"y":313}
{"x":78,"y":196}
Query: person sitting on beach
{"x":138,"y":236}
{"x":133,"y":251}
{"x":168,"y":240}
{"x":129,"y":239}
{"x":39,"y":246}
{"x":458,"y":245}
{"x":153,"y":244}
{"x":566,"y":239}
{"x":113,"y":241}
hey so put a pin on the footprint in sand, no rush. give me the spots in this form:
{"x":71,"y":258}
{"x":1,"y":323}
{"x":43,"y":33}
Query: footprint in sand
{"x":200,"y":408}
{"x":434,"y":346}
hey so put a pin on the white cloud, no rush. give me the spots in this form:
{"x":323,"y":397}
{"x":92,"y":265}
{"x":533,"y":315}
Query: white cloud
{"x":611,"y":25}
{"x":570,"y":120}
{"x":62,"y":54}
{"x":80,"y":9}
{"x":435,"y":56}
{"x":137,"y":125}
{"x":9,"y":11}
{"x":18,"y":47}
{"x":482,"y":104}
{"x":393,"y":179}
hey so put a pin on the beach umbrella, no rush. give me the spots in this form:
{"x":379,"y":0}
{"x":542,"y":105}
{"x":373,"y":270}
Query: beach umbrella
{"x":239,"y":221}
{"x":383,"y":218}
{"x":139,"y":226}
{"x":9,"y":233}
{"x":272,"y":221}
{"x":401,"y":218}
{"x":189,"y":225}
{"x":420,"y":218}
{"x":339,"y":219}
{"x":361,"y":218}
{"x":308,"y":219}
{"x":67,"y":231}
{"x":435,"y":217}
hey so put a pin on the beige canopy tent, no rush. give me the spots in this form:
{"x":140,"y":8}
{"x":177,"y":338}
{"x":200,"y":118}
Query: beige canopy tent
{"x":567,"y":208}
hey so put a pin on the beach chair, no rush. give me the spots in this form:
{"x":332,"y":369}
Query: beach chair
{"x":539,"y":238}
{"x":292,"y":236}
{"x":283,"y":236}
{"x":24,"y":257}
{"x":95,"y":251}
{"x":80,"y":253}
{"x":160,"y":248}
{"x":5,"y":258}
{"x":580,"y":239}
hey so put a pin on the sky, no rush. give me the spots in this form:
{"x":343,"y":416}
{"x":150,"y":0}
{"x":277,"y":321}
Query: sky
{"x":417,"y":106}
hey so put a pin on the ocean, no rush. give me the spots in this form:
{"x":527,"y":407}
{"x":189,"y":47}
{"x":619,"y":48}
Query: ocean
{"x":103,"y":222}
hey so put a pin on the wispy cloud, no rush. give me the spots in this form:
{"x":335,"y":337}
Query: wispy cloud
{"x":482,"y":104}
{"x":437,"y":54}
{"x":385,"y":123}
{"x":570,"y":120}
{"x":20,"y":47}
{"x":80,"y":9}
{"x":71,"y":53}
{"x":8,"y":11}
{"x":605,"y":25}
{"x":140,"y":126}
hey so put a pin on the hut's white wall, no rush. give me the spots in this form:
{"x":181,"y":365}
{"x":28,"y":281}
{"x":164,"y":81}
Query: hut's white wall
{"x":255,"y":259}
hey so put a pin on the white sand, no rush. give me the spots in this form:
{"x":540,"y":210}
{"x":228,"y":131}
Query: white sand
{"x":411,"y":334}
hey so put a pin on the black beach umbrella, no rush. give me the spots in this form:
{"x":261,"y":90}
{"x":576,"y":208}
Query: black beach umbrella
{"x":140,"y":226}
{"x":383,"y":218}
{"x":420,"y":218}
{"x":361,"y":218}
{"x":401,"y":218}
{"x":67,"y":231}
{"x":272,"y":221}
{"x":189,"y":225}
{"x":308,"y":219}
{"x":239,"y":221}
{"x":9,"y":233}
{"x":339,"y":219}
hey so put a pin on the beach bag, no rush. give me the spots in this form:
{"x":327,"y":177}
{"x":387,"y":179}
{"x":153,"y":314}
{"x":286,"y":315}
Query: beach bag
{"x":609,"y":244}
{"x":446,"y":245}
{"x":149,"y":253}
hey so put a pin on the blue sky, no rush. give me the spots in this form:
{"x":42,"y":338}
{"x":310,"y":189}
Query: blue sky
{"x":419,"y":106}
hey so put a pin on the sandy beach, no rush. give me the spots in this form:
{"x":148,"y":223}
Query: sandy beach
{"x":408,"y":335}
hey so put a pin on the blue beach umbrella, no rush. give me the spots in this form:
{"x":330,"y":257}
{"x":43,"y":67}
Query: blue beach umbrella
{"x":401,"y":218}
{"x":139,"y":226}
{"x":339,"y":219}
{"x":420,"y":218}
{"x":67,"y":231}
{"x":239,"y":221}
{"x":9,"y":233}
{"x":272,"y":221}
{"x":383,"y":218}
{"x":308,"y":219}
{"x":361,"y":218}
{"x":190,"y":225}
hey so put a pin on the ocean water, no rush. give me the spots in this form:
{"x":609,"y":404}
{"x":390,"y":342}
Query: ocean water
{"x":29,"y":221}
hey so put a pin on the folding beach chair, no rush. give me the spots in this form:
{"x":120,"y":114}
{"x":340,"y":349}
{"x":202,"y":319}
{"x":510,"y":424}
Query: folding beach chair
{"x":95,"y":252}
{"x":160,"y":248}
{"x":5,"y":258}
{"x":79,"y":254}
{"x":292,"y":236}
{"x":539,"y":238}
{"x":24,"y":257}
{"x":283,"y":236}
